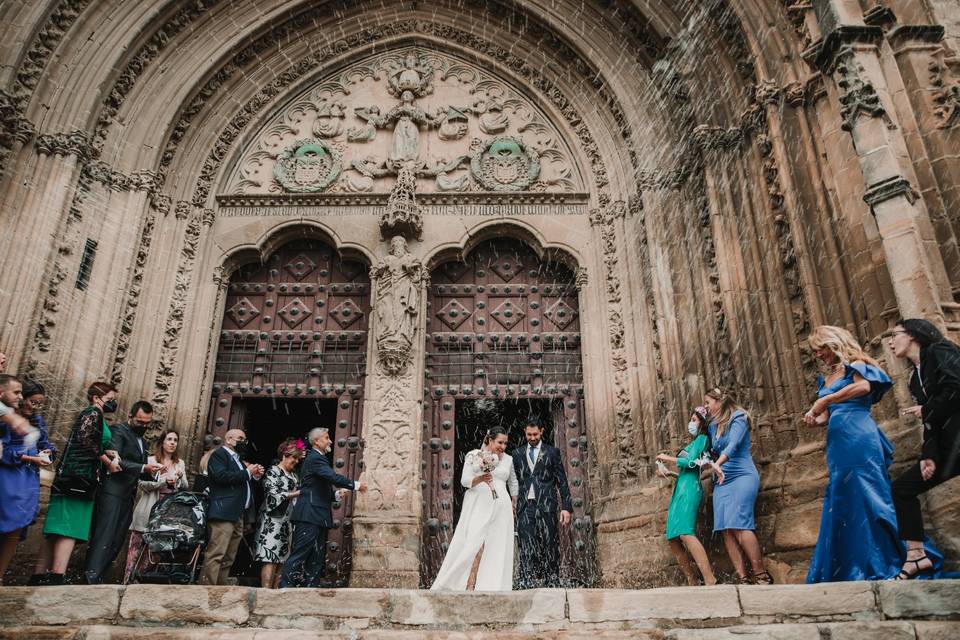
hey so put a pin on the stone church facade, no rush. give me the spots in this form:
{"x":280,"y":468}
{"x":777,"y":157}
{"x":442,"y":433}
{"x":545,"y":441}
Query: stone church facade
{"x":388,"y":210}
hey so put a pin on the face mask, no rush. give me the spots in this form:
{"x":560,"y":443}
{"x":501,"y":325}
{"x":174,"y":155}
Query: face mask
{"x":242,"y":448}
{"x":138,"y":429}
{"x":109,"y":406}
{"x":693,"y":428}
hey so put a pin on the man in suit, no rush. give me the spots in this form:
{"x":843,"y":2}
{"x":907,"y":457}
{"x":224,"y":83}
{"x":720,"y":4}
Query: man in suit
{"x":312,"y":515}
{"x":542,"y":479}
{"x":113,"y":510}
{"x":231,"y":494}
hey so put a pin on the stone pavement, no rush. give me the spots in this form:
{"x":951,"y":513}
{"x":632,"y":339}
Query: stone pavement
{"x":881,"y":610}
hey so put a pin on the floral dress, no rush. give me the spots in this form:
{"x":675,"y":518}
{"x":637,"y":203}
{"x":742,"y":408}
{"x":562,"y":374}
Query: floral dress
{"x":273,"y":526}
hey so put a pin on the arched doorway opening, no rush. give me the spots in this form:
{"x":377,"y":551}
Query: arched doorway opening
{"x":291,"y":357}
{"x":503,"y":344}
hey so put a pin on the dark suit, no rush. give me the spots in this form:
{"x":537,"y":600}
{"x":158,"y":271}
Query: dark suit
{"x":936,"y":387}
{"x":312,"y":518}
{"x":231,"y":494}
{"x":114,"y":506}
{"x":537,"y":519}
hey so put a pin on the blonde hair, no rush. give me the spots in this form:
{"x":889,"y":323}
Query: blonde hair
{"x":841,"y":343}
{"x":728,"y":406}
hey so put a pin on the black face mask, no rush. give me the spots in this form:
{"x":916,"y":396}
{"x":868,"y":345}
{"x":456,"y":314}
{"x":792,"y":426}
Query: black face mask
{"x":109,"y":406}
{"x":242,"y":448}
{"x":138,"y":429}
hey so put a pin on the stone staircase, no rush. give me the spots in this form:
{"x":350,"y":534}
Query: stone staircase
{"x":928,"y":610}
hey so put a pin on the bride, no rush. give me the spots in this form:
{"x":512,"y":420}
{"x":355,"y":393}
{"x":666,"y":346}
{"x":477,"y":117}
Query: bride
{"x":480,"y":556}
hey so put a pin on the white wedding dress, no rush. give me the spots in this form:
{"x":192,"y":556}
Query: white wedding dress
{"x":484,"y":522}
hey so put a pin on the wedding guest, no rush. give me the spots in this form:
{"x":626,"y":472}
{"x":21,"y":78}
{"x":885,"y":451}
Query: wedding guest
{"x":169,"y":474}
{"x":935,"y":384}
{"x":543,"y":506}
{"x":735,"y":492}
{"x":858,"y":527}
{"x":20,"y":465}
{"x":73,"y":491}
{"x":687,"y":498}
{"x":280,"y":488}
{"x":210,"y":444}
{"x":114,"y":504}
{"x":231,"y":494}
{"x":312,"y":515}
{"x":10,"y":420}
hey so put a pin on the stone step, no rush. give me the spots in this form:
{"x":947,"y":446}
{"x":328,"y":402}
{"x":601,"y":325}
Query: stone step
{"x":918,"y":610}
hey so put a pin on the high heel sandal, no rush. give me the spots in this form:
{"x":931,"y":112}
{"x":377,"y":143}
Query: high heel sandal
{"x":905,"y":575}
{"x":763,"y":577}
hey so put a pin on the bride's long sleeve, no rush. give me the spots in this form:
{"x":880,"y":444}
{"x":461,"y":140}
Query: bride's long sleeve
{"x":469,"y":472}
{"x":513,"y":485}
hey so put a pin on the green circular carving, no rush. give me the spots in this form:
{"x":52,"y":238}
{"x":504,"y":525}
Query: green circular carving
{"x":505,"y":164}
{"x":307,"y":166}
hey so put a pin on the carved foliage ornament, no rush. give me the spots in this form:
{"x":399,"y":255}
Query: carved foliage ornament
{"x":307,"y":166}
{"x":506,"y":164}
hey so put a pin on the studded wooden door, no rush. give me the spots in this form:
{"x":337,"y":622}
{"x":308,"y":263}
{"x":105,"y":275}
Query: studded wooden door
{"x":503,"y":326}
{"x":295,"y":327}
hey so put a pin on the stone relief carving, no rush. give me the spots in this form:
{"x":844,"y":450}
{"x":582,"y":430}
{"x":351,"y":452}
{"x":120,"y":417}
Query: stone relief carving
{"x":307,"y":166}
{"x":858,"y":97}
{"x":945,"y":94}
{"x":377,"y":111}
{"x":400,"y":280}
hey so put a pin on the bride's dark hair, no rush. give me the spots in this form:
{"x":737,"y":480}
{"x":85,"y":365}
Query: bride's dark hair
{"x":492,"y":434}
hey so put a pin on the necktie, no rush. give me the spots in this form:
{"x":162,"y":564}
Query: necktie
{"x":533,"y":455}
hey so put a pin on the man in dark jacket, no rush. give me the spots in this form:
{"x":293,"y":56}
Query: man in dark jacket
{"x":231,"y":494}
{"x":114,"y":506}
{"x":542,"y":479}
{"x":312,"y":515}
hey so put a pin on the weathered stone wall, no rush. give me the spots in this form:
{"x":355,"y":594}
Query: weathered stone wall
{"x":743,"y":172}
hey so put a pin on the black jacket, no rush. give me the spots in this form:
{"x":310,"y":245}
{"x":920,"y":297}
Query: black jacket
{"x":936,"y":386}
{"x":228,"y":487}
{"x":317,"y":482}
{"x":548,"y":479}
{"x":133,"y":455}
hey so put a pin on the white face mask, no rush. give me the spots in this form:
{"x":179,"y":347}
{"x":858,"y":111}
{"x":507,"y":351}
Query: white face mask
{"x":693,"y":427}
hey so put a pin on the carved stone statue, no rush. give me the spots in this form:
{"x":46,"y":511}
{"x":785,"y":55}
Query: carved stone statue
{"x":400,"y":279}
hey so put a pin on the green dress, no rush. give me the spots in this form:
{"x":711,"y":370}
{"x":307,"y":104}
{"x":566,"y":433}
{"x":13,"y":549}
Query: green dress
{"x":71,"y":517}
{"x":687,"y":493}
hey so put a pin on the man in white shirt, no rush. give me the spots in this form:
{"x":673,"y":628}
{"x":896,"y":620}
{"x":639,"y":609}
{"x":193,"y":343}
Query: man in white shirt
{"x":231,"y":494}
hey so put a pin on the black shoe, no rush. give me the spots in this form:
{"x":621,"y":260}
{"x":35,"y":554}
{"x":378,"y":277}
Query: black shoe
{"x":906,"y":575}
{"x":38,"y":580}
{"x":54,"y":579}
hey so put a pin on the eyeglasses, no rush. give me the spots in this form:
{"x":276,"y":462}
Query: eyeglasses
{"x":899,"y":332}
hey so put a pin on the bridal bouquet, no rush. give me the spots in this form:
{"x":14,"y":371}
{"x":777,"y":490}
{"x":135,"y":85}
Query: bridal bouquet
{"x":485,"y":462}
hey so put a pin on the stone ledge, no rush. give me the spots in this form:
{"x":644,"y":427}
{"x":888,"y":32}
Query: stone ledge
{"x":840,"y":598}
{"x":454,"y":610}
{"x":669,"y":603}
{"x":920,"y":599}
{"x":58,"y":605}
{"x":185,"y":604}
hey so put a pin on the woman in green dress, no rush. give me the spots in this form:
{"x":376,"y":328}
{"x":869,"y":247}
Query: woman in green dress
{"x":686,"y":499}
{"x":78,"y":476}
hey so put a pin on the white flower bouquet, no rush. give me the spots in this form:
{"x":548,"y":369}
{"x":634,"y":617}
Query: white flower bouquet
{"x":484,"y":462}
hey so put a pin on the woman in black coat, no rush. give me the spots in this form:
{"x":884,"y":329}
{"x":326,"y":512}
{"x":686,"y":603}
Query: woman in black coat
{"x":935,"y":383}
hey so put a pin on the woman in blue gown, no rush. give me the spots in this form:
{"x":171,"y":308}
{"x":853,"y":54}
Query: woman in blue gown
{"x":858,"y":537}
{"x":738,"y":482}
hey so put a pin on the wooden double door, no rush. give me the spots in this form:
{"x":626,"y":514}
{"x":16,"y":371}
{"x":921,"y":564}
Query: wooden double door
{"x":291,"y":357}
{"x":503,"y":345}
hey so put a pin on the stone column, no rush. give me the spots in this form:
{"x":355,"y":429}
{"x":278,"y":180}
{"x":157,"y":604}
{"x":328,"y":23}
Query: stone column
{"x":386,"y":521}
{"x":849,"y":53}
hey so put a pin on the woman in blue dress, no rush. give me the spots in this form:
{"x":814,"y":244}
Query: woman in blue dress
{"x":20,"y":465}
{"x":858,"y":537}
{"x":738,"y":482}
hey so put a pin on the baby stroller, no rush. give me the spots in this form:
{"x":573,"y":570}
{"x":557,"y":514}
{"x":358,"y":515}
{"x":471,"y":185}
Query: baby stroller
{"x":174,"y":538}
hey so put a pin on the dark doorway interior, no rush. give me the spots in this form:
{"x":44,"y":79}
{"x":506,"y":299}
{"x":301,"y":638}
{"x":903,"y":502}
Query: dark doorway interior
{"x":270,"y":421}
{"x":475,"y":417}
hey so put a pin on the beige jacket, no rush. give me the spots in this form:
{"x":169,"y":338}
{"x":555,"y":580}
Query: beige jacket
{"x":149,"y":493}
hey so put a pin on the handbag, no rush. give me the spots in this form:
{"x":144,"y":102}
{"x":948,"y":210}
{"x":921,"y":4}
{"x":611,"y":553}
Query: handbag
{"x":80,"y":487}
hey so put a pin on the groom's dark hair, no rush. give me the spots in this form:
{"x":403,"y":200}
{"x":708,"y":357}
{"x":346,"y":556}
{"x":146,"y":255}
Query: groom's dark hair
{"x":533,"y":422}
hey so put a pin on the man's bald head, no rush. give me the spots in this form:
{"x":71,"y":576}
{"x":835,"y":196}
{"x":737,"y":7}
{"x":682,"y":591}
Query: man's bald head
{"x":233,"y":436}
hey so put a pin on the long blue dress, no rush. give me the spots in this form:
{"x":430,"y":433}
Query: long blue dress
{"x":858,"y":527}
{"x":20,"y":481}
{"x":733,"y":501}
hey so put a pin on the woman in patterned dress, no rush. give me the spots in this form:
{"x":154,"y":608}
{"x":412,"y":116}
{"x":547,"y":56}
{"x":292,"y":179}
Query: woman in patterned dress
{"x":280,"y":487}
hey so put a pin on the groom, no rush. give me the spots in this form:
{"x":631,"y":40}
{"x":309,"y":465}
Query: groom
{"x":542,"y":478}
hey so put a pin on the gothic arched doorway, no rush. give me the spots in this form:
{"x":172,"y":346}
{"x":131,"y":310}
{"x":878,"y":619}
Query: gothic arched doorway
{"x":292,"y":356}
{"x":503,"y":343}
